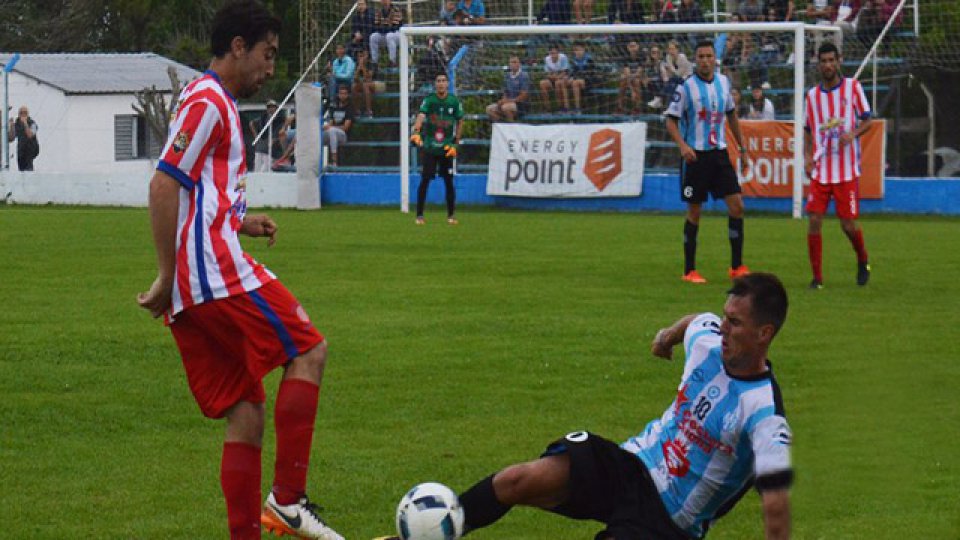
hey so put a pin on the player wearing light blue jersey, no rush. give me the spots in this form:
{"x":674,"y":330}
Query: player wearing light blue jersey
{"x":695,"y":121}
{"x":724,"y":433}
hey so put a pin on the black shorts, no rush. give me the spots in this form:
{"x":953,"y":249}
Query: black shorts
{"x":610,"y":485}
{"x":436,"y":164}
{"x":712,"y":173}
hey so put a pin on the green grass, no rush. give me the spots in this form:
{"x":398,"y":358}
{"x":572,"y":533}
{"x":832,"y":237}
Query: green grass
{"x":455,"y":351}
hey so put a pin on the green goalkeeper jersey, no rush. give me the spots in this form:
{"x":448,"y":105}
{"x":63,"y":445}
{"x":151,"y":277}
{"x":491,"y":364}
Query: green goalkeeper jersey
{"x":439,"y":128}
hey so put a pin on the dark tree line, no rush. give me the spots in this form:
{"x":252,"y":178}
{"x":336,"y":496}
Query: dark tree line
{"x":177,"y":29}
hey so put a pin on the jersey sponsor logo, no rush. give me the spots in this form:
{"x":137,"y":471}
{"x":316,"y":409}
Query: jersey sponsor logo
{"x":181,"y":142}
{"x":697,"y":375}
{"x":675,"y":457}
{"x":696,"y":433}
{"x":604,"y":158}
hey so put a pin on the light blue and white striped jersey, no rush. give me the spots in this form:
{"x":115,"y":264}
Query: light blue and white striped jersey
{"x":720,"y":435}
{"x":701,"y":107}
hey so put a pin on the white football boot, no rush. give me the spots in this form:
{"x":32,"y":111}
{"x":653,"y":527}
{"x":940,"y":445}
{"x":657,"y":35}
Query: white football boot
{"x":300,"y":519}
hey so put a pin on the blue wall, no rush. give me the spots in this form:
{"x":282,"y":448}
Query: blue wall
{"x":660,"y":193}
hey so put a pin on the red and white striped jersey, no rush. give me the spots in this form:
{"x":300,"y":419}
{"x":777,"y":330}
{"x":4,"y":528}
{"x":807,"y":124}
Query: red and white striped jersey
{"x":831,"y":112}
{"x":205,"y":153}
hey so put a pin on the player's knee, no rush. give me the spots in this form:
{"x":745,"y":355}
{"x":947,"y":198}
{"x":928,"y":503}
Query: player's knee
{"x":315,"y":359}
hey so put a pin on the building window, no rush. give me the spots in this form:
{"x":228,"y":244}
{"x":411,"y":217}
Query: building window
{"x":133,"y":138}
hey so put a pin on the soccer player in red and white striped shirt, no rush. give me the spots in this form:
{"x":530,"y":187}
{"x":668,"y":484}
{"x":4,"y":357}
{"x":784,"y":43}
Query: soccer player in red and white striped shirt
{"x":233,"y":321}
{"x":837,"y":114}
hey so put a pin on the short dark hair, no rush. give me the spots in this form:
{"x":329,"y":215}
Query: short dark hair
{"x":244,"y":18}
{"x":828,"y":48}
{"x":703,"y":43}
{"x":441,"y":74}
{"x":768,"y":297}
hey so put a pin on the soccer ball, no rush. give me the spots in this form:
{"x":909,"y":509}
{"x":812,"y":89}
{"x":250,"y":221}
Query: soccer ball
{"x":430,"y":511}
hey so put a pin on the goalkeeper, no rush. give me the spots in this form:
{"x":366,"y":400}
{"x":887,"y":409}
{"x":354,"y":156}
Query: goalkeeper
{"x":437,"y":132}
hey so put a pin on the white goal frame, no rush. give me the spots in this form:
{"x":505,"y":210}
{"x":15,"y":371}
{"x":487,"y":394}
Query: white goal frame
{"x":798,"y":29}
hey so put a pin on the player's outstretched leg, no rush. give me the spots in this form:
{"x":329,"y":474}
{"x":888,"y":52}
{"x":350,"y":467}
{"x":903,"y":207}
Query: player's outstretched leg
{"x":287,"y":509}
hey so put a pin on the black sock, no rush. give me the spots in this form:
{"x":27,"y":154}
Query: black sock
{"x":451,"y":196}
{"x":480,"y":505}
{"x":735,"y":228}
{"x":689,"y":246}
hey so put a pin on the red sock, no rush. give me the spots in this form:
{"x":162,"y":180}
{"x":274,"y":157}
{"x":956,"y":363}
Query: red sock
{"x":858,"y":246}
{"x":815,"y":249}
{"x":240,"y":481}
{"x":294,"y":417}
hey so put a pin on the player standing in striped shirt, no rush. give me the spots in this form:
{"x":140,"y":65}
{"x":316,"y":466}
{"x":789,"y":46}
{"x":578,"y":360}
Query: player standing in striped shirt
{"x":725,"y":432}
{"x":837,"y":114}
{"x":233,"y":321}
{"x":701,"y":105}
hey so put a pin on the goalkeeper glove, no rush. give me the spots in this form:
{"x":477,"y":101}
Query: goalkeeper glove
{"x":450,"y":150}
{"x":416,"y":140}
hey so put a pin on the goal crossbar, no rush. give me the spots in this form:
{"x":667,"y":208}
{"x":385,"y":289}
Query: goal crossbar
{"x":798,"y":29}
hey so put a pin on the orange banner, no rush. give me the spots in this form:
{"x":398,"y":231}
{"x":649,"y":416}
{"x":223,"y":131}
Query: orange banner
{"x":770,"y":148}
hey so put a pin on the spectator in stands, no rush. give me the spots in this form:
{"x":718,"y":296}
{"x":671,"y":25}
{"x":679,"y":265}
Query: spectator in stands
{"x":845,"y":13}
{"x":430,"y":62}
{"x":583,"y":11}
{"x":689,"y":12}
{"x":554,"y":12}
{"x":674,"y":68}
{"x":760,"y":108}
{"x":287,"y":161}
{"x":338,"y":124}
{"x":387,"y":22}
{"x":770,"y":49}
{"x":264,"y":153}
{"x":631,"y":76}
{"x":751,"y":11}
{"x":365,"y":83}
{"x":448,"y":13}
{"x":625,"y":12}
{"x":785,"y":10}
{"x":738,"y":102}
{"x":870,"y":22}
{"x":887,"y":8}
{"x":664,"y":11}
{"x":652,"y":82}
{"x":556,"y":65}
{"x":362,"y":23}
{"x":356,"y":44}
{"x":516,"y":91}
{"x":583,"y":74}
{"x":819,"y":12}
{"x":342,"y":69}
{"x":474,"y":12}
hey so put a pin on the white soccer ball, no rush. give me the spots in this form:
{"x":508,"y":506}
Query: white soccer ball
{"x":430,"y":511}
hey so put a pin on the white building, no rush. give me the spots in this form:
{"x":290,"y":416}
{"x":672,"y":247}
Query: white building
{"x":83,"y":107}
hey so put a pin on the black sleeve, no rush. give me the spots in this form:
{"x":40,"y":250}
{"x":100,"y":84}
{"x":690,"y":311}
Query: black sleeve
{"x":777,"y":480}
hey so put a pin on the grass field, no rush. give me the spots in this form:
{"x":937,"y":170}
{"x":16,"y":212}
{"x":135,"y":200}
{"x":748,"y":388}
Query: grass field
{"x":455,"y":351}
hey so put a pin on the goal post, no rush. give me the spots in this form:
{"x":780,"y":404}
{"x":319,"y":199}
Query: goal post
{"x":411,"y":34}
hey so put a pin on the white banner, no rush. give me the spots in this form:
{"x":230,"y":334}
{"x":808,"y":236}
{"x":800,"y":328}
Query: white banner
{"x":567,"y":160}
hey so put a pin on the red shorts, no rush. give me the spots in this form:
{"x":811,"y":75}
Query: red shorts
{"x":845,"y":194}
{"x":228,"y":345}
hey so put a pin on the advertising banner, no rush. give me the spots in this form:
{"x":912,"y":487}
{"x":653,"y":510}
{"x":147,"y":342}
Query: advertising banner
{"x":769,"y":146}
{"x":567,"y":160}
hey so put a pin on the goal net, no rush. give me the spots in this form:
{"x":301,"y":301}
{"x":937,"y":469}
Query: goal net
{"x":600,"y":74}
